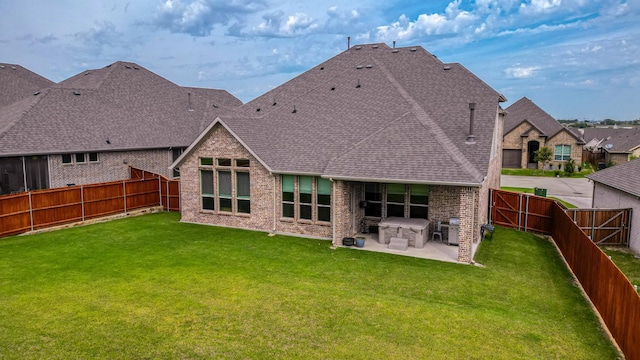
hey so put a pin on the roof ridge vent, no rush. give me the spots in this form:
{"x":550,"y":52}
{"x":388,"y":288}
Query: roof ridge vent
{"x":36,"y":93}
{"x":369,"y":66}
{"x":1,"y":66}
{"x":358,"y":47}
{"x":13,"y":68}
{"x":447,"y":67}
{"x":359,"y":67}
{"x":127,"y":66}
{"x":76,"y":92}
{"x":395,"y":51}
{"x":413,"y":49}
{"x":375,"y":46}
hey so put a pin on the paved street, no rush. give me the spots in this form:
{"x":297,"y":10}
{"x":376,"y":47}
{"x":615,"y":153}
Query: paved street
{"x":576,"y":191}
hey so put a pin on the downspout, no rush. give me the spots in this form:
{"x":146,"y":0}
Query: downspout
{"x":333,"y":213}
{"x":24,"y":175}
{"x":274,"y":205}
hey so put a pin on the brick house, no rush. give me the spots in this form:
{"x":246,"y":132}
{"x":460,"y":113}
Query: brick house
{"x":371,"y":133}
{"x":622,"y":147}
{"x":619,"y":187}
{"x":91,"y":127}
{"x":528,"y":128}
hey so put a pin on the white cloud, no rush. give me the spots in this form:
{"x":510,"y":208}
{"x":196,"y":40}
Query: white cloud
{"x":540,"y":6}
{"x":522,"y":72}
{"x":453,"y":21}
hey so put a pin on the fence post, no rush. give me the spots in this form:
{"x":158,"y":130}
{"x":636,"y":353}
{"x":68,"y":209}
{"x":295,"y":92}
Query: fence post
{"x":168,"y":198}
{"x":124,"y":190}
{"x":82,"y":200}
{"x":160,"y":190}
{"x":30,"y":210}
{"x":490,"y":205}
{"x":519,"y":211}
{"x":526,"y":214}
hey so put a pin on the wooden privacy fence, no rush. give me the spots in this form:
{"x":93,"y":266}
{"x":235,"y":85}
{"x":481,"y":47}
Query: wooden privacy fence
{"x":610,"y":291}
{"x":528,"y":212}
{"x":40,"y":209}
{"x":608,"y":288}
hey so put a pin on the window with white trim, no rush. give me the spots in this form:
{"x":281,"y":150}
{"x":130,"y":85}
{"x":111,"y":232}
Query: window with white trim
{"x":562,"y":152}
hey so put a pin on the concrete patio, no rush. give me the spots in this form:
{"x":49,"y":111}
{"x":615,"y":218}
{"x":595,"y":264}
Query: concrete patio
{"x":434,"y":250}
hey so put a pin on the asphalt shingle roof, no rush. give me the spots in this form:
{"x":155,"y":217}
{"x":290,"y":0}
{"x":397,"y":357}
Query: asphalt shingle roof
{"x":17,"y":83}
{"x":625,"y":141}
{"x":123,"y":103}
{"x":373,"y":112}
{"x":624,"y":177}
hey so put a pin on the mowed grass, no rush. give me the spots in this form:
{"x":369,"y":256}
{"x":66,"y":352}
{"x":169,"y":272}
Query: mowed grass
{"x":627,"y":262}
{"x":151,"y":287}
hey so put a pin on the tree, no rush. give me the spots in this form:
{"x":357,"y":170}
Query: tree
{"x":569,"y":166}
{"x":543,"y":155}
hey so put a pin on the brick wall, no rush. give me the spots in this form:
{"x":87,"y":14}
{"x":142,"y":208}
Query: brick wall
{"x":111,"y":166}
{"x":266,"y":194}
{"x":514,"y":140}
{"x":221,"y":144}
{"x":564,"y":138}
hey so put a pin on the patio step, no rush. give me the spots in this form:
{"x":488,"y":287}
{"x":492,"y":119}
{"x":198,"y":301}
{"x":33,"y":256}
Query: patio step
{"x":398,"y":243}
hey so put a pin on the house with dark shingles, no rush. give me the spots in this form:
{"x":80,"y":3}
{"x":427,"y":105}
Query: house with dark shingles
{"x":372,"y":133}
{"x":527,"y":128}
{"x":17,"y":83}
{"x":618,"y":187}
{"x":622,"y":147}
{"x":91,"y":127}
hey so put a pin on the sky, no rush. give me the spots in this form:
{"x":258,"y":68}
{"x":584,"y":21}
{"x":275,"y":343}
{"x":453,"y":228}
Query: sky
{"x":576,"y":59}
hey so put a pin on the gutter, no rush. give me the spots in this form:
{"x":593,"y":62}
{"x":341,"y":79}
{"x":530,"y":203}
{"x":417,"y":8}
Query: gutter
{"x":402,"y":181}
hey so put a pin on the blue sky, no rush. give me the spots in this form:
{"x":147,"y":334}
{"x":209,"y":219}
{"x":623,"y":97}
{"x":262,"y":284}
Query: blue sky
{"x":574,"y":58}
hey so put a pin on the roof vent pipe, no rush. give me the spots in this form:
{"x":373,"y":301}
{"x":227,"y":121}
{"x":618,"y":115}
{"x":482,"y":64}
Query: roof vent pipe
{"x":190,"y":107}
{"x":348,"y":42}
{"x":394,"y":44}
{"x":471,"y":139}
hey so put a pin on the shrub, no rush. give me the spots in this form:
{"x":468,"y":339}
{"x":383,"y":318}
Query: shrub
{"x":569,"y":166}
{"x":556,"y":172}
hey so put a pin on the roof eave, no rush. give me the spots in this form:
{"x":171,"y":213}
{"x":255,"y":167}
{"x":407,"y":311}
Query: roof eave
{"x":402,"y":181}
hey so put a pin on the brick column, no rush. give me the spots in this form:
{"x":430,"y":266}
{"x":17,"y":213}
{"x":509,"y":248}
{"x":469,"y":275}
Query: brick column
{"x":341,"y":214}
{"x":467,"y":224}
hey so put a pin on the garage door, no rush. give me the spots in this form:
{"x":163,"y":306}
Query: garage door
{"x":511,"y":158}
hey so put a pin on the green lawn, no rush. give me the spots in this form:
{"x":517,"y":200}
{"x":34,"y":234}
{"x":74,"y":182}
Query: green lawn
{"x":151,"y":287}
{"x":627,"y":262}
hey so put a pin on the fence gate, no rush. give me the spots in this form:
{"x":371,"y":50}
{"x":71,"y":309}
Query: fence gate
{"x":604,"y":226}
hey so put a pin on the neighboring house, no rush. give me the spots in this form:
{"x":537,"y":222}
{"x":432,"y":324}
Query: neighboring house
{"x":596,"y":139}
{"x":527,"y":128}
{"x":619,"y":187}
{"x":622,"y":147}
{"x":17,"y":83}
{"x":91,"y":127}
{"x":373,"y":132}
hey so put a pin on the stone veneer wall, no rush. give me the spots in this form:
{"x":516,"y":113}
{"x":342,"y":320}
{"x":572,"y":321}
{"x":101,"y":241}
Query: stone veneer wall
{"x":514,"y":140}
{"x":111,"y":166}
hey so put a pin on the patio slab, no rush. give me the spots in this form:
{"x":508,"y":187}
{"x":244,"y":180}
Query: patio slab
{"x":433,"y":250}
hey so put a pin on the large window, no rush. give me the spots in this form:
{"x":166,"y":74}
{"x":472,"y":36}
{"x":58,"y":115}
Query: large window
{"x":311,"y":193}
{"x":224,"y":190}
{"x":206,"y":189}
{"x":288,"y":202}
{"x":305,"y":195}
{"x":562,"y":153}
{"x":323,"y":199}
{"x":373,"y":197}
{"x":386,"y":200}
{"x":395,"y":200}
{"x":243,"y":192}
{"x":225,"y":185}
{"x":418,"y":201}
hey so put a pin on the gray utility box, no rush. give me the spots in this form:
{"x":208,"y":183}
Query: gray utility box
{"x":454,"y":225}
